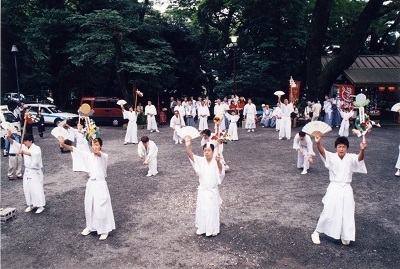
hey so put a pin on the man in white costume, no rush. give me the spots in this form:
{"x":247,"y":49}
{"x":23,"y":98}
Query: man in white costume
{"x":33,"y":175}
{"x":211,"y":172}
{"x":14,"y":159}
{"x":176,"y":121}
{"x":337,"y":218}
{"x":150,"y":111}
{"x":286,"y":124}
{"x":316,"y":109}
{"x":250,"y":114}
{"x":203,"y":113}
{"x":181,"y":109}
{"x":190,"y":113}
{"x":308,"y":112}
{"x":148,"y":151}
{"x":98,"y":208}
{"x":131,"y":130}
{"x":277,"y":115}
{"x":232,"y":130}
{"x":219,"y":109}
{"x":345,"y":124}
{"x":328,"y":111}
{"x":302,"y":143}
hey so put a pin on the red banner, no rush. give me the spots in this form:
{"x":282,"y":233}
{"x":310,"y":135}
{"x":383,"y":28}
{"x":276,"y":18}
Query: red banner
{"x":294,"y":92}
{"x":344,"y":93}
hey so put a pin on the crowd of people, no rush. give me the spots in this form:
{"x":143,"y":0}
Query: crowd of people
{"x":211,"y":167}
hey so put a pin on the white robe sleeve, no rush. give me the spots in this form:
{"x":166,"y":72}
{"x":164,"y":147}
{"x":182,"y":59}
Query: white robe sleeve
{"x":125,"y":114}
{"x":140,"y":149}
{"x":310,"y":146}
{"x":81,"y":156}
{"x":358,"y":166}
{"x":196,"y":163}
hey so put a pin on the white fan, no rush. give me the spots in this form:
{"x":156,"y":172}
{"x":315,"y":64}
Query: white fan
{"x":59,"y":131}
{"x":121,"y":102}
{"x":315,"y":128}
{"x":188,"y":131}
{"x":396,"y":108}
{"x":279,"y":93}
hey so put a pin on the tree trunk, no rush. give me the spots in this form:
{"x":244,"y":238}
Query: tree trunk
{"x":121,"y":75}
{"x":315,"y":42}
{"x":351,"y":47}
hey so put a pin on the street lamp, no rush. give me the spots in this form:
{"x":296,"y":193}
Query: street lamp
{"x":234,"y":39}
{"x":14,"y":50}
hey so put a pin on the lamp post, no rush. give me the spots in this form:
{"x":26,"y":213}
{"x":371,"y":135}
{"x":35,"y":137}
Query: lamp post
{"x":14,"y":50}
{"x":234,"y":39}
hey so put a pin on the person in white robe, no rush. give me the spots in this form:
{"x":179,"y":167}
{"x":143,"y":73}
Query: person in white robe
{"x":33,"y":175}
{"x":277,"y":115}
{"x":131,"y":130}
{"x":150,"y":111}
{"x":190,"y":113}
{"x":250,"y":114}
{"x":346,"y":114}
{"x":285,"y":129}
{"x":328,"y":111}
{"x":82,"y":144}
{"x":316,"y":109}
{"x":397,"y":174}
{"x":176,"y":122}
{"x":181,"y":109}
{"x":98,"y":208}
{"x":232,"y":130}
{"x":203,"y":113}
{"x":302,"y":143}
{"x":211,"y":172}
{"x":337,"y":218}
{"x":148,"y":151}
{"x":219,"y":109}
{"x":308,"y":113}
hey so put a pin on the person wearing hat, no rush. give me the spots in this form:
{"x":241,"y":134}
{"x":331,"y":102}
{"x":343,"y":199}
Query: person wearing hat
{"x":15,"y":159}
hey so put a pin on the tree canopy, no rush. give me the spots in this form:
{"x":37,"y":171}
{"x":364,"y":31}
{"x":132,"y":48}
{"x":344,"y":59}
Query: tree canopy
{"x":109,"y":47}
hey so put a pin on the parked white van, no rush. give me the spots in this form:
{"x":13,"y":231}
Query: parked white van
{"x":52,"y":115}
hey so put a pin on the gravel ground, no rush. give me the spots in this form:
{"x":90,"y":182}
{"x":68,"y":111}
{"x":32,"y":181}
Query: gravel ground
{"x":268,"y":213}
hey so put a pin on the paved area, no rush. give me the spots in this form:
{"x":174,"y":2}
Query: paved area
{"x":269,"y":210}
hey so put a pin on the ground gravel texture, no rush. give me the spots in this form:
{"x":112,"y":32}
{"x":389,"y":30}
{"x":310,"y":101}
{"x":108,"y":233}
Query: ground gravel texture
{"x":268,"y":213}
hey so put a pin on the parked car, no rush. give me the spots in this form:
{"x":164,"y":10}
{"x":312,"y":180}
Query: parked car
{"x":105,"y":109}
{"x":13,"y":96}
{"x":52,"y":114}
{"x":8,"y":116}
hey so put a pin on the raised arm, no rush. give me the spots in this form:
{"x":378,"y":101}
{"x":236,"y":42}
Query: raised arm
{"x":218,"y":159}
{"x":363,"y":146}
{"x":320,"y":147}
{"x":188,"y":141}
{"x":68,"y":147}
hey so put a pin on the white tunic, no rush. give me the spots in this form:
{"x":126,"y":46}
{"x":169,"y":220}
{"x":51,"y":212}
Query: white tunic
{"x":131,"y":130}
{"x":150,"y":112}
{"x":149,"y":153}
{"x":82,"y":144}
{"x":233,"y":130}
{"x":250,"y":112}
{"x":285,"y":129}
{"x":337,"y":217}
{"x":176,"y":122}
{"x":304,"y":150}
{"x":398,"y":160}
{"x":277,"y":113}
{"x":98,"y":209}
{"x":345,"y":124}
{"x":208,"y":197}
{"x":203,"y":113}
{"x":220,"y":110}
{"x":182,"y":111}
{"x":33,"y":176}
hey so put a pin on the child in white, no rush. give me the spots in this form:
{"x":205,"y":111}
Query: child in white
{"x":148,"y":151}
{"x":303,"y":145}
{"x":337,"y":218}
{"x":131,"y":130}
{"x":176,"y":121}
{"x":345,"y":124}
{"x":232,"y":130}
{"x":98,"y":208}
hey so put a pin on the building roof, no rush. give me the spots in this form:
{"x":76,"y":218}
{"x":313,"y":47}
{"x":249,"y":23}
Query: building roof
{"x":372,"y":70}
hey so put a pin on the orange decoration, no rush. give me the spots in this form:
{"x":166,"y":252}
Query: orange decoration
{"x":381,"y":89}
{"x":391,"y":89}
